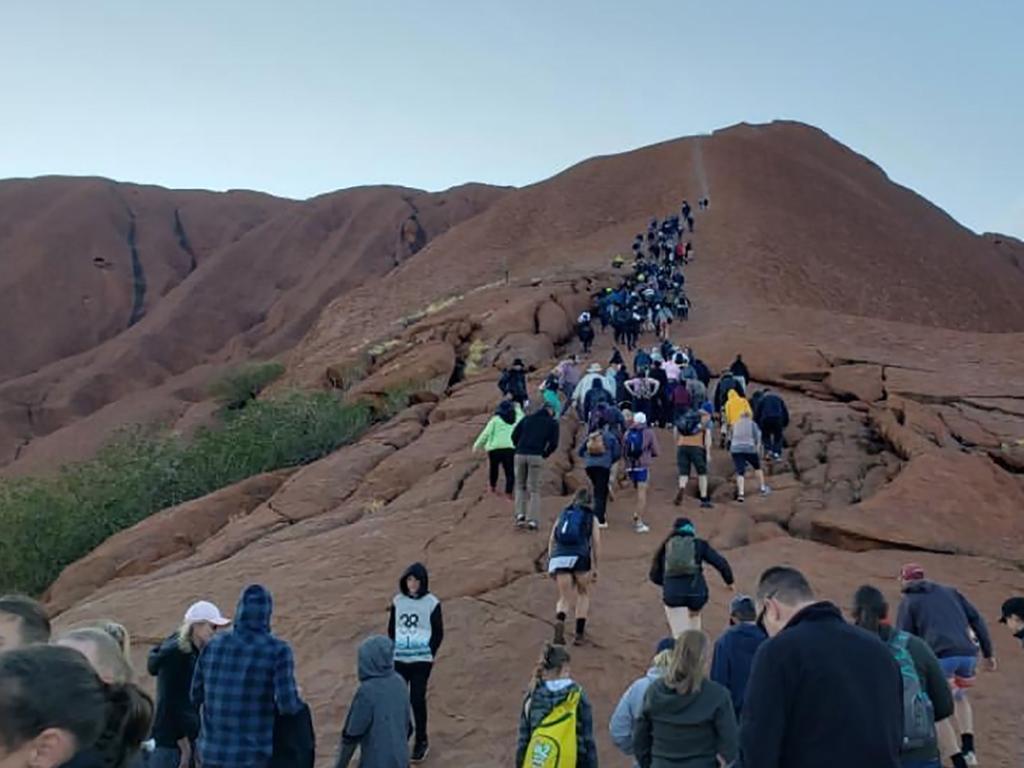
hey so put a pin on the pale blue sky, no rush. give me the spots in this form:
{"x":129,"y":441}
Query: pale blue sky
{"x":299,"y":97}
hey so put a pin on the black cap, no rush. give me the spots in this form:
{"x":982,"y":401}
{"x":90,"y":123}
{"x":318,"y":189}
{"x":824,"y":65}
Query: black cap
{"x":1013,"y":607}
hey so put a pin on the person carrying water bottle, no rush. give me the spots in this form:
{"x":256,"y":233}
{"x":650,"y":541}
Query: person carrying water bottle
{"x":573,"y":552}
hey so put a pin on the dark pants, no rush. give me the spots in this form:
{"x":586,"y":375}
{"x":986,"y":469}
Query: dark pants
{"x":503,"y":458}
{"x":417,"y":674}
{"x":600,"y":477}
{"x":772,"y":431}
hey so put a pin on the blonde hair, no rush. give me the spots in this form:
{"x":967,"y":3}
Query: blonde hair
{"x":113,"y":665}
{"x":662,"y":660}
{"x":685,"y":672}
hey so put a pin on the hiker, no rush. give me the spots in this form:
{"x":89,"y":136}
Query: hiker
{"x":535,"y":438}
{"x":574,"y":549}
{"x":243,"y":679}
{"x":597,"y":395}
{"x":772,"y":416}
{"x":687,"y":719}
{"x":586,"y":384}
{"x":585,"y":332}
{"x":927,"y":699}
{"x":549,"y":394}
{"x":643,"y":389}
{"x":642,"y":361}
{"x":745,"y":448}
{"x":378,"y":721}
{"x":740,"y":371}
{"x":416,"y":626}
{"x":172,"y":663}
{"x":23,"y":622}
{"x":103,"y":652}
{"x":54,"y":707}
{"x":678,"y":568}
{"x":1013,"y":617}
{"x":686,"y":210}
{"x":496,"y":439}
{"x":692,"y":430}
{"x":944,"y":619}
{"x":640,"y":448}
{"x":513,"y":383}
{"x":599,"y":451}
{"x":623,"y":721}
{"x":660,"y":405}
{"x":821,"y":692}
{"x":726,"y":383}
{"x":556,"y":713}
{"x":680,"y":400}
{"x":735,"y":650}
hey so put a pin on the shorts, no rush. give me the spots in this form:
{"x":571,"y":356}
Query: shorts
{"x":741,"y":460}
{"x":639,"y":475}
{"x":960,"y":671}
{"x":691,"y":456}
{"x":569,"y":564}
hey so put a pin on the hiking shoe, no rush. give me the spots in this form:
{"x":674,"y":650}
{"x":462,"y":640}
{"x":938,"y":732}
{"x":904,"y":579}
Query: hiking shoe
{"x":740,"y":499}
{"x":531,"y":525}
{"x":679,"y":497}
{"x":579,"y":639}
{"x":559,"y":633}
{"x":706,"y":503}
{"x":766,"y":491}
{"x":970,"y":758}
{"x":420,"y":752}
{"x":520,"y":521}
{"x":641,"y":527}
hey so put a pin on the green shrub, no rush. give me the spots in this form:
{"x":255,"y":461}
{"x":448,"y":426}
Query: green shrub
{"x":48,"y":523}
{"x":235,"y":389}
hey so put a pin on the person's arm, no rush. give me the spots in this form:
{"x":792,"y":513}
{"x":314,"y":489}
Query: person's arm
{"x":357,"y":723}
{"x":614,"y":446}
{"x":391,"y":621}
{"x":655,"y":389}
{"x":719,"y":563}
{"x":523,"y":739}
{"x":436,"y":630}
{"x":720,"y":662}
{"x":978,"y":625}
{"x":517,"y":433}
{"x":586,"y":746}
{"x":484,"y":436}
{"x":552,"y":438}
{"x":643,"y":739}
{"x":726,"y":732}
{"x":765,"y":705}
{"x":657,"y":574}
{"x":286,"y":694}
{"x":631,"y":390}
{"x":197,"y":692}
{"x":551,"y":539}
{"x":621,"y":724}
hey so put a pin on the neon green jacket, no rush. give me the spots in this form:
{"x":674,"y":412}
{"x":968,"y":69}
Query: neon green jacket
{"x":498,"y":433}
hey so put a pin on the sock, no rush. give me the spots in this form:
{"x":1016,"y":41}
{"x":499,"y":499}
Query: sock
{"x":967,"y":742}
{"x":682,"y":483}
{"x":959,"y":761}
{"x":581,"y":624}
{"x":560,"y":615}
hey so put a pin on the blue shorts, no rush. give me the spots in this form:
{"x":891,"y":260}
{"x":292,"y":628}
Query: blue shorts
{"x":960,"y":671}
{"x":639,"y":475}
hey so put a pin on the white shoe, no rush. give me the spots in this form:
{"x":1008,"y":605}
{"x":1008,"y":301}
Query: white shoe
{"x":641,"y":527}
{"x":765,"y":491}
{"x":970,"y":758}
{"x":602,"y":526}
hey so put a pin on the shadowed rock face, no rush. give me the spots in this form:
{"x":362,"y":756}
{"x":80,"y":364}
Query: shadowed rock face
{"x":902,"y":445}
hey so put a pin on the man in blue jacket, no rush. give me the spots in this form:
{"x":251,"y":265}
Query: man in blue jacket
{"x":734,"y":650}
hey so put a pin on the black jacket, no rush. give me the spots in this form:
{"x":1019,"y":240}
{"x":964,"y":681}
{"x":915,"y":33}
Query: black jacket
{"x":739,"y":368}
{"x":677,"y":591}
{"x":703,"y":372}
{"x":941,"y":617}
{"x":536,"y":435}
{"x":294,"y":740}
{"x":175,"y":717}
{"x":771,"y":407}
{"x":822,"y":693}
{"x":726,"y":384}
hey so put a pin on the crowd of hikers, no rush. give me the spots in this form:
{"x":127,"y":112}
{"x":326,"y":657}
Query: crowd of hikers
{"x":791,"y":683}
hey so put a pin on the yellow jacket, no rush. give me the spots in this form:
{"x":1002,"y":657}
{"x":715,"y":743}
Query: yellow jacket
{"x":735,"y":407}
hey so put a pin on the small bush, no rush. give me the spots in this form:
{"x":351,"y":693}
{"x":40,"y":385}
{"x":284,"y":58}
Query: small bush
{"x":245,"y":383}
{"x":48,"y":523}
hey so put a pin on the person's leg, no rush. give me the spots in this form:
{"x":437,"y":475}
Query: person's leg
{"x":695,"y":620}
{"x":740,"y":466}
{"x":535,"y":469}
{"x":419,"y":676}
{"x":508,"y":458}
{"x":702,"y":483}
{"x":521,"y":493}
{"x":683,"y":469}
{"x":600,"y":478}
{"x":964,"y":714}
{"x":566,"y":590}
{"x":759,"y":472}
{"x":641,"y":501}
{"x":678,"y":620}
{"x":582,"y":585}
{"x":493,"y":464}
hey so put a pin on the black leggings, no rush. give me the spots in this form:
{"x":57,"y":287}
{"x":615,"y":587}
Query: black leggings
{"x":417,"y":674}
{"x":504,"y":458}
{"x":600,"y":477}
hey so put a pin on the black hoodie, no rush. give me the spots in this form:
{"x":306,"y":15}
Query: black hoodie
{"x":436,"y":619}
{"x":175,"y":717}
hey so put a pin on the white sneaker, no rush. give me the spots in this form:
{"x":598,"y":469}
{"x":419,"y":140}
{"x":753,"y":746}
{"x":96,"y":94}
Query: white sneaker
{"x":602,"y":526}
{"x":765,"y":491}
{"x":641,"y":527}
{"x":970,"y":758}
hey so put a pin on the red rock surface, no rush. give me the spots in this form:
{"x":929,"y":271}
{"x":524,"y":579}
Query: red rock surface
{"x":893,"y":333}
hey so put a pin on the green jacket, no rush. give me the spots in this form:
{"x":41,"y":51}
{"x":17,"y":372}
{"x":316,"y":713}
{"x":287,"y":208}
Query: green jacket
{"x":497,"y":433}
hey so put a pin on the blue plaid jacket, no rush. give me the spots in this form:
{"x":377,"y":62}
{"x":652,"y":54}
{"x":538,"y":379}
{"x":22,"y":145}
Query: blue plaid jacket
{"x":243,"y":679}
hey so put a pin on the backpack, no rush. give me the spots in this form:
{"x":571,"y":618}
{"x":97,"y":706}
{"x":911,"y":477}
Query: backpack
{"x":689,"y":423}
{"x":553,"y":742}
{"x":681,"y":396}
{"x":634,"y":444}
{"x":681,"y":557}
{"x":571,"y":529}
{"x":918,"y":710}
{"x":595,"y":444}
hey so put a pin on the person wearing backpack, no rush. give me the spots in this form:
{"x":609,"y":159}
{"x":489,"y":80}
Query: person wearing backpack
{"x":693,"y":449}
{"x":599,"y":451}
{"x":745,"y":449}
{"x":556,"y":724}
{"x":513,"y":383}
{"x":678,"y":568}
{"x":640,"y":448}
{"x":574,"y":548}
{"x":496,"y":439}
{"x":772,"y":416}
{"x":598,"y":394}
{"x":927,"y":698}
{"x":416,"y":625}
{"x":687,"y":720}
{"x":585,"y":332}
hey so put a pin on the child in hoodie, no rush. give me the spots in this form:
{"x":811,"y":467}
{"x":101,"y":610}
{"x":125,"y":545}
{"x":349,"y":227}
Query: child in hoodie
{"x":378,"y":719}
{"x":496,"y":439}
{"x":416,"y":625}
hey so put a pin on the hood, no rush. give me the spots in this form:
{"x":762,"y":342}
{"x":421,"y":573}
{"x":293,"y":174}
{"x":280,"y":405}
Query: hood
{"x":919,"y":587}
{"x":376,"y":657}
{"x":419,"y":570}
{"x":255,"y":607}
{"x":682,"y":709}
{"x":654,"y":673}
{"x":507,"y":412}
{"x":733,"y":395}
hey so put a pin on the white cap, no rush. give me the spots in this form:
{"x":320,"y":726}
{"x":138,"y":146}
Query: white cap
{"x":204,"y":611}
{"x":640,"y":418}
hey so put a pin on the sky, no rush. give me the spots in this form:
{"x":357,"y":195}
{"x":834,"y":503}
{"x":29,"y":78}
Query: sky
{"x":301,"y":97}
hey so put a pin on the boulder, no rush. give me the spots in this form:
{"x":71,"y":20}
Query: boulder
{"x":856,"y":382}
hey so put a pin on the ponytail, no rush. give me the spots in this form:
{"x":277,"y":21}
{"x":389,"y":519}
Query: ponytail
{"x":552,"y":659}
{"x":129,"y":717}
{"x":870,"y":609}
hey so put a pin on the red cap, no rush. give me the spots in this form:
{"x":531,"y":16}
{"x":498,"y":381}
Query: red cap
{"x":911,"y":572}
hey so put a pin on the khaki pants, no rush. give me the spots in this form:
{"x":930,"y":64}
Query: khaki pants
{"x":528,"y":475}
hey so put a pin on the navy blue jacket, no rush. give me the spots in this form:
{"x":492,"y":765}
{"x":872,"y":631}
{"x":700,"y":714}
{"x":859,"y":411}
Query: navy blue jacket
{"x":679,"y":590}
{"x":941,"y":617}
{"x":734,"y":658}
{"x":771,"y":406}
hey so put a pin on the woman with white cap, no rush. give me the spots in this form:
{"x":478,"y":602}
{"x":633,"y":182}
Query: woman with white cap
{"x":176,"y":721}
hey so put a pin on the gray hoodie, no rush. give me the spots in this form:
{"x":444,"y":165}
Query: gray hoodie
{"x":378,"y":720}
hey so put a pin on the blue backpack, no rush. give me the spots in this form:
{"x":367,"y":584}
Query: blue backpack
{"x":571,"y":531}
{"x":635,"y":444}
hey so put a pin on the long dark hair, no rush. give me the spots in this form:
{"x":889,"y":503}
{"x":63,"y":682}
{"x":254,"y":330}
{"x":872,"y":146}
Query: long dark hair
{"x":870,"y":609}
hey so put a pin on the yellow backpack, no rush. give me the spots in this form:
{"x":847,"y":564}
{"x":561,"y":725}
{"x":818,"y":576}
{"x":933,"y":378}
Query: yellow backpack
{"x":553,"y":741}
